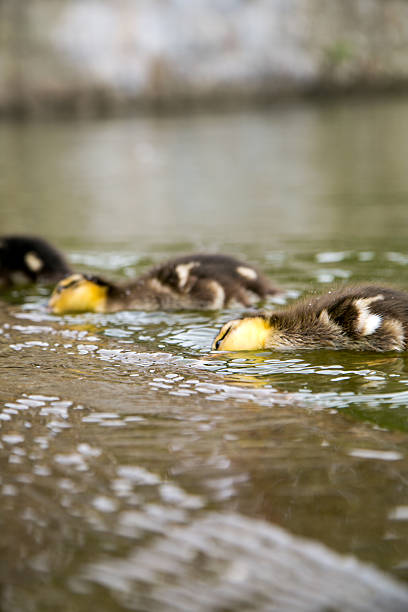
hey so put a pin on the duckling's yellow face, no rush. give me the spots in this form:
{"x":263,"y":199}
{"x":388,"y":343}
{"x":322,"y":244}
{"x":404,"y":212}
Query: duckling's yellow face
{"x":76,"y":293}
{"x":248,"y":334}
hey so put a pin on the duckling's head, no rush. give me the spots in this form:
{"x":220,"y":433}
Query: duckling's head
{"x":247,"y":334}
{"x":79,"y":293}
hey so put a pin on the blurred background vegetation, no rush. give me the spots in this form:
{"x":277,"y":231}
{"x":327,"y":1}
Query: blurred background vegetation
{"x":99,"y":57}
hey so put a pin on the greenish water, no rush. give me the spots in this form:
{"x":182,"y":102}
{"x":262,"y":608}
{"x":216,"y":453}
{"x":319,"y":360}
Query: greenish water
{"x":118,"y":430}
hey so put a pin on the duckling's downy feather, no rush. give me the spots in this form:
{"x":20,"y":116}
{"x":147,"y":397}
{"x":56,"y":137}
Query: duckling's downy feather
{"x":357,"y":317}
{"x":30,"y":259}
{"x":212,"y":278}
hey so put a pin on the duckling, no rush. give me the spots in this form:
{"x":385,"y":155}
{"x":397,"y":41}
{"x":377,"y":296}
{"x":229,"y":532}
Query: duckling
{"x":193,"y":282}
{"x":30,"y":259}
{"x":360,"y":318}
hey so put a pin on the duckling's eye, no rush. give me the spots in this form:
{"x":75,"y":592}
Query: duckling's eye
{"x":217,"y":344}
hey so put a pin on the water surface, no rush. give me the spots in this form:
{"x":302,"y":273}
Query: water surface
{"x":123,"y":438}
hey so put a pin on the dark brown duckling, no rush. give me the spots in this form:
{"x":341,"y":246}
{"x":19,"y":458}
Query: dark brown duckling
{"x":193,"y":282}
{"x":360,"y":318}
{"x":30,"y":259}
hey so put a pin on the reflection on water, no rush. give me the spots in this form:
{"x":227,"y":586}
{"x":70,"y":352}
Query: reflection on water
{"x":139,"y":468}
{"x":333,"y":171}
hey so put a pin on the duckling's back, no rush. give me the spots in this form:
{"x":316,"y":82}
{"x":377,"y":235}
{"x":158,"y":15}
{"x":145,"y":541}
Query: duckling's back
{"x":367,"y":317}
{"x":30,"y":259}
{"x":213,"y":281}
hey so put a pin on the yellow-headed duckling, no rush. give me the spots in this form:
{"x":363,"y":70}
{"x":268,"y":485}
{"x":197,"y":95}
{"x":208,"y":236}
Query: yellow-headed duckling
{"x":193,"y":282}
{"x":30,"y":259}
{"x":360,"y":318}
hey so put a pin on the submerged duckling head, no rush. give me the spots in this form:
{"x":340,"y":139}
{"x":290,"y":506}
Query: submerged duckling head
{"x":246,"y":334}
{"x":79,"y":293}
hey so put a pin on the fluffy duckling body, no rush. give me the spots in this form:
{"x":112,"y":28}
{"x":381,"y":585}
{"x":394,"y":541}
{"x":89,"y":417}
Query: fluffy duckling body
{"x":30,"y":259}
{"x":193,"y":282}
{"x":361,"y":318}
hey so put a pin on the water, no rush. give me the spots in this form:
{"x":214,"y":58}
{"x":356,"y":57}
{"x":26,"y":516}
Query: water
{"x":137,"y":467}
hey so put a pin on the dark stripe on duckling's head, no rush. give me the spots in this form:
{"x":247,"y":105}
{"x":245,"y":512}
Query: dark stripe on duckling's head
{"x":97,"y":280}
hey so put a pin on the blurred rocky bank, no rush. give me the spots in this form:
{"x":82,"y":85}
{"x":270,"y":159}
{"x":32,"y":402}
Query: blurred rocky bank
{"x":94,"y":56}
